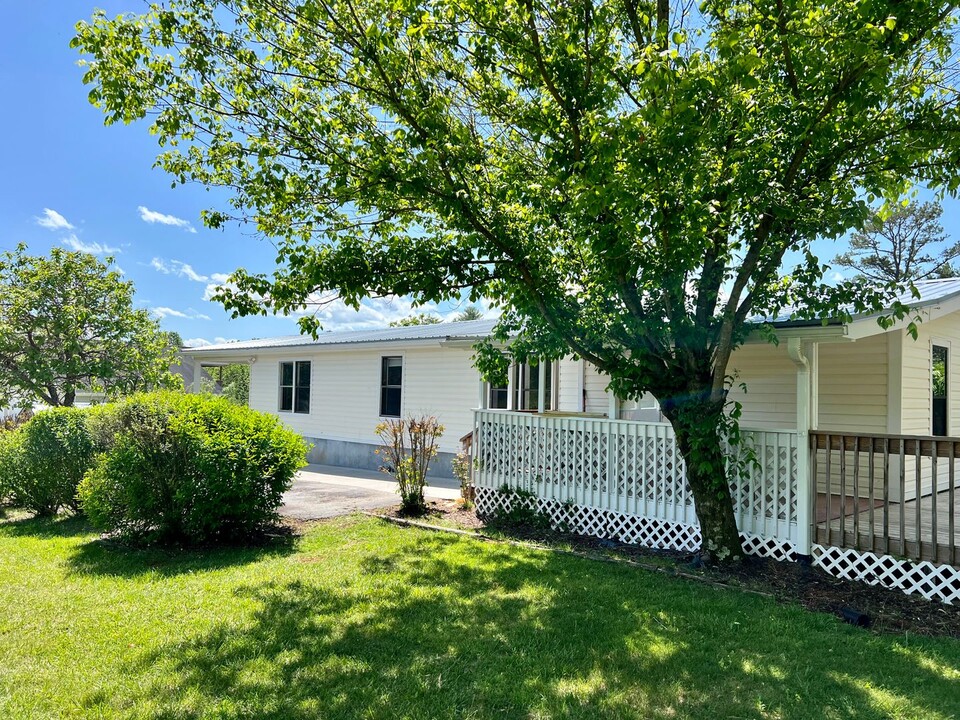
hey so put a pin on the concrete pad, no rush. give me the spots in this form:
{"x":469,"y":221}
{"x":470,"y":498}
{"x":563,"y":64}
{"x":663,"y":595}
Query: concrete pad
{"x":323,"y":491}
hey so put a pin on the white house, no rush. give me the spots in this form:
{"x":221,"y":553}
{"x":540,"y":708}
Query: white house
{"x":835,"y":388}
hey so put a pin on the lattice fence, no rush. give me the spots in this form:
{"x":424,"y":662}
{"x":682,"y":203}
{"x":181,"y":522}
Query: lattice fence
{"x":934,"y":582}
{"x":622,"y":527}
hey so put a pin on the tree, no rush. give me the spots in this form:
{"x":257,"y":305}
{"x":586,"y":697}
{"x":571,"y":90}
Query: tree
{"x":231,"y":381}
{"x":417,"y":319}
{"x":470,"y":312}
{"x":623,"y":178}
{"x":67,"y":323}
{"x":908,"y":244}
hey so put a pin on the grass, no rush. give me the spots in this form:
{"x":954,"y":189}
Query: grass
{"x":360,"y":619}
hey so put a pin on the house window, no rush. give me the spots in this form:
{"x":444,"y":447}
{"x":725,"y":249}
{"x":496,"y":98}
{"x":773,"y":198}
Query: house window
{"x":941,"y":363}
{"x":295,"y":386}
{"x":499,"y":394}
{"x":391,"y":380}
{"x":527,"y":380}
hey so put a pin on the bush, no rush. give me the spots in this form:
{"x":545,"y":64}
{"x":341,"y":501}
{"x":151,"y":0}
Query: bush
{"x":45,"y":460}
{"x":10,"y":463}
{"x":409,"y":447}
{"x":188,"y":469}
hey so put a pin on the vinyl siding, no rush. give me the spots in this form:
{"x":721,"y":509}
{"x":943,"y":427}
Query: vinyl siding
{"x":569,"y":378}
{"x":770,"y":400}
{"x":595,"y":388}
{"x":916,"y":418}
{"x":345,"y":391}
{"x":853,"y":385}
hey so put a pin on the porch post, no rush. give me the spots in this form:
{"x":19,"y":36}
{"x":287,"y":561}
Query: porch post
{"x":197,"y":375}
{"x":482,"y":405}
{"x":613,"y":408}
{"x":511,"y":387}
{"x":805,"y":484}
{"x":541,"y":385}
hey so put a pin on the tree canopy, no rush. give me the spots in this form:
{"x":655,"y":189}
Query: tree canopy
{"x":416,"y":319}
{"x":470,"y":312}
{"x":904,"y":245}
{"x":625,"y":179}
{"x":67,"y":324}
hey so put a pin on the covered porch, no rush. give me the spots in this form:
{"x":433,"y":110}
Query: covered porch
{"x":879,"y":506}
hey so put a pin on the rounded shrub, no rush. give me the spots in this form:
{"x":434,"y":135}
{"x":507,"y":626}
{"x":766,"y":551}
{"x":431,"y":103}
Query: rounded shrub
{"x":10,"y":463}
{"x":47,"y":459}
{"x":188,"y":469}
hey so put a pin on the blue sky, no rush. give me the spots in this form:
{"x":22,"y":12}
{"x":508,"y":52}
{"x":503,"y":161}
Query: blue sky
{"x":68,"y":180}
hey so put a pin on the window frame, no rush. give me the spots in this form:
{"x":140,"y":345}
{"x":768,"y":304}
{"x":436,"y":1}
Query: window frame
{"x":936,"y":342}
{"x":295,"y":386}
{"x":385,"y":386}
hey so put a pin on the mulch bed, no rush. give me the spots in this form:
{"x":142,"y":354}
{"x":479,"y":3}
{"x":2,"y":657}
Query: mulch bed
{"x":889,"y":611}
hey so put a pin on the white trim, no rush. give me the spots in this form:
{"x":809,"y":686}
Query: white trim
{"x":944,"y":343}
{"x":293,"y":402}
{"x":403,"y":384}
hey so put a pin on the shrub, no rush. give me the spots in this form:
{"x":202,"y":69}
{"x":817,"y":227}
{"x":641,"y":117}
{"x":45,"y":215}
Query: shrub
{"x":188,"y":469}
{"x":408,"y":448}
{"x":47,"y":459}
{"x":10,"y":463}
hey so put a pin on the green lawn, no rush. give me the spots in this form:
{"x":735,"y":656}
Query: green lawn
{"x":359,"y":619}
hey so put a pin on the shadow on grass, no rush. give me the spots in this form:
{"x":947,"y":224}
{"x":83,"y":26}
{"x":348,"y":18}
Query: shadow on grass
{"x":61,"y":526}
{"x":109,"y":558}
{"x":434,"y":627}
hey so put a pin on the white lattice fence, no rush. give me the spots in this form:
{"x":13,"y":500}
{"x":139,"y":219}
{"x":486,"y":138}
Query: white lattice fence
{"x":934,"y":582}
{"x":632,"y":469}
{"x":623,"y":527}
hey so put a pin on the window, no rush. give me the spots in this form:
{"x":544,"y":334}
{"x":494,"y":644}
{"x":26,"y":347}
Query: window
{"x":941,"y":363}
{"x":391,"y":380}
{"x":526,"y":386}
{"x":498,"y":397}
{"x":295,"y":387}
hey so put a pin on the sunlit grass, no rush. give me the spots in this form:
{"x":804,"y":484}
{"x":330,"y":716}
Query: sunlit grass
{"x":360,"y":619}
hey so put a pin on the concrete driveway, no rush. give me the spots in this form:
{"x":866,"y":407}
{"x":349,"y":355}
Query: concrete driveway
{"x":323,"y":491}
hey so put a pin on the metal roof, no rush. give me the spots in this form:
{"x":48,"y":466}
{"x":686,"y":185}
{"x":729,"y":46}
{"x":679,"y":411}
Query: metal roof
{"x":467,"y":329}
{"x":931,"y":292}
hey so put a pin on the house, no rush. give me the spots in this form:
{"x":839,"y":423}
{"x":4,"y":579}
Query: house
{"x":847,"y":425}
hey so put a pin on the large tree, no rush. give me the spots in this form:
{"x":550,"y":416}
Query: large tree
{"x":623,"y":178}
{"x":903,"y":245}
{"x":67,"y":324}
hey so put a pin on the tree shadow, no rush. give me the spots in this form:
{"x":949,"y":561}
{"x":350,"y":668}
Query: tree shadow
{"x":60,"y":526}
{"x":437,"y":628}
{"x":109,"y":558}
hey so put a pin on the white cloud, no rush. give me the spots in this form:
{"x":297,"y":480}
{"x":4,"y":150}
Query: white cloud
{"x":203,"y":342}
{"x":94,"y":248}
{"x":217,"y":279}
{"x":166,"y":312}
{"x":52,"y":220}
{"x":181,"y":269}
{"x":836,"y":277}
{"x":334,"y":314}
{"x":152,"y":216}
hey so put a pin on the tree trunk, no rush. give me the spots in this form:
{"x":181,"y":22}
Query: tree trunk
{"x":696,"y":421}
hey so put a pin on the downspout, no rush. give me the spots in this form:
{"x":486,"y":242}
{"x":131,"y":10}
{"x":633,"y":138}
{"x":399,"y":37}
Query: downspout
{"x":805,"y":484}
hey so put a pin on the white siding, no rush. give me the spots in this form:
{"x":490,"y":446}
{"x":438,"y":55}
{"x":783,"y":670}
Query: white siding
{"x":345,"y":391}
{"x":595,"y":388}
{"x":853,"y":385}
{"x":916,"y":385}
{"x":770,"y":376}
{"x":570,"y":378}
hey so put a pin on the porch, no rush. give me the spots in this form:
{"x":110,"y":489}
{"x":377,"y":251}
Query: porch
{"x":878,"y":508}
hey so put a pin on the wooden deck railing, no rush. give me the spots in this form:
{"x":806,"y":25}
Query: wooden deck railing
{"x":890,"y":494}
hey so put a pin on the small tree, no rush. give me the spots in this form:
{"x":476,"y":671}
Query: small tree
{"x":417,"y":319}
{"x":470,"y":312}
{"x":67,"y":323}
{"x":906,"y":245}
{"x":409,"y":446}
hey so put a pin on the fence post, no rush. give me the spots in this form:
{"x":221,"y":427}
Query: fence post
{"x":805,"y":483}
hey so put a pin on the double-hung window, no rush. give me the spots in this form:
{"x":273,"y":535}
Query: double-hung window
{"x":391,"y":383}
{"x":295,"y":386}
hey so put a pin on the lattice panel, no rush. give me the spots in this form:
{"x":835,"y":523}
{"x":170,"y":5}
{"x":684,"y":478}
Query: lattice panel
{"x":630,"y":529}
{"x":934,"y":582}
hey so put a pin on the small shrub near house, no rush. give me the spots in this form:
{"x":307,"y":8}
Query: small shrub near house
{"x":409,"y":446}
{"x":43,"y":462}
{"x":188,"y":469}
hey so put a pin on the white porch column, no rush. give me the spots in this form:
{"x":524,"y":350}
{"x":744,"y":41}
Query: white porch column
{"x":511,"y":387}
{"x":197,"y":375}
{"x":484,"y":396}
{"x":541,"y":385}
{"x":613,"y":406}
{"x":805,"y":484}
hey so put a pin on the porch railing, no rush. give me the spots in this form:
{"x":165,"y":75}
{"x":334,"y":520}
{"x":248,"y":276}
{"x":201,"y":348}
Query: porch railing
{"x":889,"y":494}
{"x":632,"y":467}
